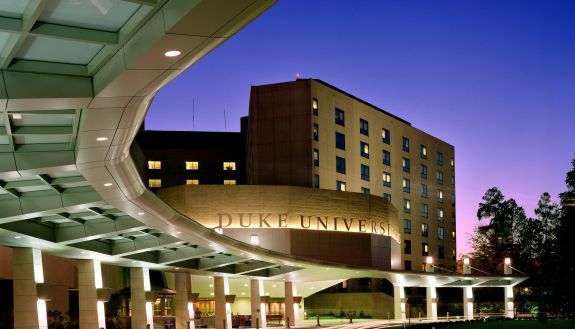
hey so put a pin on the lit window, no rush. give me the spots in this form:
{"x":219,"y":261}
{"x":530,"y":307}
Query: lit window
{"x":340,"y":141}
{"x":453,"y":253}
{"x":424,"y":190}
{"x":340,"y":165}
{"x":192,"y":165}
{"x":192,"y":182}
{"x":405,"y":144}
{"x":385,"y":136}
{"x":229,"y":166}
{"x":154,"y":164}
{"x":365,"y":190}
{"x":255,"y":239}
{"x":363,"y":127}
{"x":154,"y":182}
{"x":424,"y":230}
{"x":364,"y":149}
{"x":424,"y":249}
{"x":424,"y":210}
{"x":439,"y":157}
{"x":407,"y":226}
{"x":364,"y":172}
{"x":452,"y":163}
{"x":316,"y":157}
{"x":315,"y":106}
{"x":339,"y":117}
{"x":406,"y":165}
{"x":406,"y":185}
{"x":315,"y":132}
{"x":386,"y":179}
{"x":423,"y":151}
{"x":340,"y":186}
{"x":440,"y":214}
{"x":406,"y":205}
{"x":453,"y":235}
{"x":229,"y":182}
{"x":439,"y":177}
{"x":407,"y":247}
{"x":386,"y":158}
{"x":440,"y":233}
{"x":315,"y":180}
{"x":387,"y":196}
{"x":440,"y":196}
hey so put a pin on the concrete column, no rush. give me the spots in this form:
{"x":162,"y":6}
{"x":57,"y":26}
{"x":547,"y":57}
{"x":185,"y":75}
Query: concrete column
{"x":399,"y":304}
{"x":223,"y":309}
{"x":92,"y":313}
{"x":29,"y":311}
{"x":258,"y":309}
{"x":509,"y":305}
{"x":183,"y":314}
{"x":468,"y":303}
{"x":290,"y":292}
{"x":431,"y":301}
{"x":141,"y":310}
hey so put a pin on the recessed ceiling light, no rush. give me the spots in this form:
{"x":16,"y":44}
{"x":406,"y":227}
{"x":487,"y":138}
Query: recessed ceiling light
{"x":211,"y":285}
{"x":177,"y":268}
{"x":141,"y":213}
{"x":18,"y":237}
{"x":273,"y":286}
{"x":172,"y":53}
{"x":243,"y":293}
{"x":267,"y":293}
{"x":16,"y":116}
{"x":101,"y":139}
{"x":211,"y":293}
{"x":82,"y":252}
{"x":245,"y":284}
{"x":178,"y":232}
{"x":108,"y":184}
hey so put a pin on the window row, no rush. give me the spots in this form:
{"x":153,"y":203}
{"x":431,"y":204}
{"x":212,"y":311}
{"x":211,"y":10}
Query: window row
{"x":191,"y":165}
{"x":156,"y":182}
{"x":407,"y":249}
{"x":425,"y":230}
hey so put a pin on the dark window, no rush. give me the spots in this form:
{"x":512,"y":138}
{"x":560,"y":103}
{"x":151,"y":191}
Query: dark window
{"x":316,"y":157}
{"x":441,"y":252}
{"x":424,"y":249}
{"x":339,"y":117}
{"x":315,"y":106}
{"x":439,"y":177}
{"x":340,"y":186}
{"x":340,"y":141}
{"x":407,"y":226}
{"x":440,"y":233}
{"x":423,"y":190}
{"x":340,"y":165}
{"x":407,"y":265}
{"x":385,"y":136}
{"x":407,"y":247}
{"x":365,"y":190}
{"x":386,"y":158}
{"x":387,"y":196}
{"x":364,"y":149}
{"x":315,"y":132}
{"x":424,"y":210}
{"x":423,"y":171}
{"x":365,"y":172}
{"x":363,"y":127}
{"x":405,"y":144}
{"x":406,"y":165}
{"x":439,"y":159}
{"x":316,"y":180}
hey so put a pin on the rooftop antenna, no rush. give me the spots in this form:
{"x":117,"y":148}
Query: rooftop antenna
{"x":225,"y":124}
{"x":297,"y":76}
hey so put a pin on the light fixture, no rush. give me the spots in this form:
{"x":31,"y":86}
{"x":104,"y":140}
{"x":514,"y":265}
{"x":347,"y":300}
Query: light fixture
{"x":141,"y":213}
{"x":466,"y":261}
{"x":254,"y":239}
{"x":172,"y":53}
{"x":507,"y":261}
{"x":101,"y":139}
{"x":82,"y":252}
{"x":18,"y":237}
{"x":211,"y":293}
{"x":211,"y":285}
{"x":108,"y":184}
{"x":429,"y":260}
{"x":273,"y":286}
{"x":179,"y":232}
{"x":245,"y":284}
{"x":219,"y":230}
{"x":16,"y":116}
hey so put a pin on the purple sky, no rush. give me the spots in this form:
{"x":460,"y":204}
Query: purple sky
{"x":494,"y":78}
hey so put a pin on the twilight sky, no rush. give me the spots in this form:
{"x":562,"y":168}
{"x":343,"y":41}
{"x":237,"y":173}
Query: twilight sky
{"x":494,"y":78}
